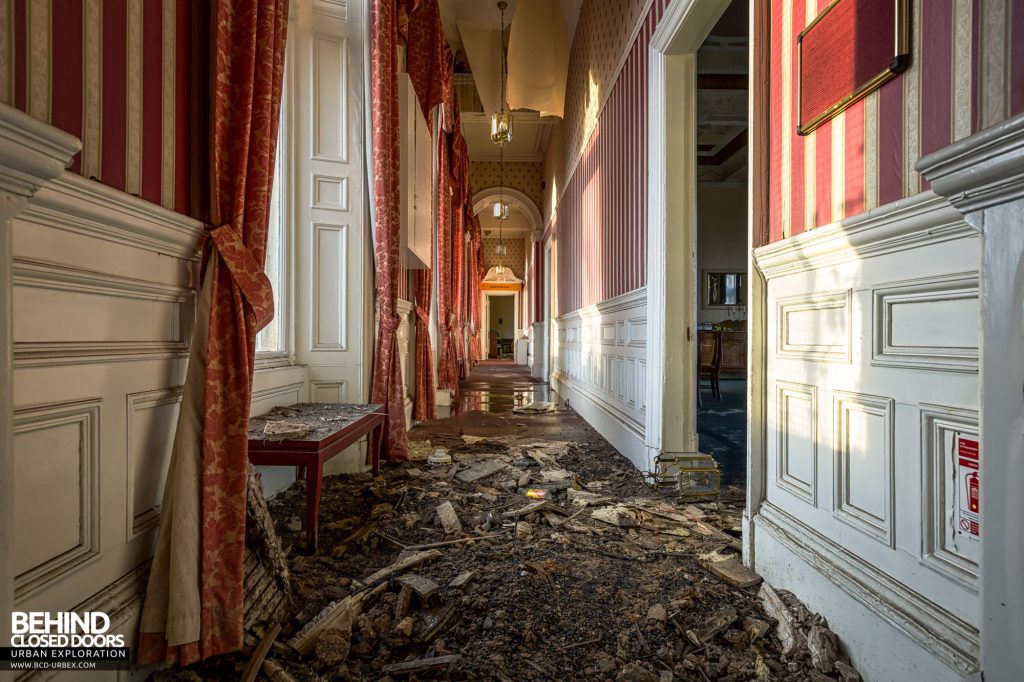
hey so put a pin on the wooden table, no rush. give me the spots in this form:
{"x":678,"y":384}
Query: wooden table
{"x":306,"y":436}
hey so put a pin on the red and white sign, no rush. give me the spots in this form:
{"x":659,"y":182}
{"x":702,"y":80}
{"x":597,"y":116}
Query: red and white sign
{"x":968,"y":486}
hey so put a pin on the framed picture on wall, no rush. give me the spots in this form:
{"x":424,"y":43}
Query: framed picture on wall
{"x":850,"y":50}
{"x":724,"y":289}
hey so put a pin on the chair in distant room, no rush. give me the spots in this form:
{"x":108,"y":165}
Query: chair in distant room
{"x":709,"y":360}
{"x":492,"y":345}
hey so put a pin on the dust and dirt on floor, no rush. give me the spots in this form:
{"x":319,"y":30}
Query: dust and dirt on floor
{"x":519,"y":555}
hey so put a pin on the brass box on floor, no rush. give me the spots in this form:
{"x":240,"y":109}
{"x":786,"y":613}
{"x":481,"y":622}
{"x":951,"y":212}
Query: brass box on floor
{"x":694,"y":475}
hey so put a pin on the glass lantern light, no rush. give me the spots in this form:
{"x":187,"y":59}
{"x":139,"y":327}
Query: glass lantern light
{"x":501,"y":127}
{"x":501,"y":210}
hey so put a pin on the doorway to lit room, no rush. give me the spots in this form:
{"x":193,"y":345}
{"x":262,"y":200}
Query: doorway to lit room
{"x":500,"y":324}
{"x":721,"y":236}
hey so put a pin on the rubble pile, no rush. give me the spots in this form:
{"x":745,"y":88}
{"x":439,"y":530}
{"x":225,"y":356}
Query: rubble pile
{"x":525,"y":560}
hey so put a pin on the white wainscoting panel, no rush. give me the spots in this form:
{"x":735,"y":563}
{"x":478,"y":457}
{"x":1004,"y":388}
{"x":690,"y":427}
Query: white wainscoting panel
{"x":601,"y":368}
{"x":150,"y":424}
{"x":872,"y":361}
{"x":103,"y":313}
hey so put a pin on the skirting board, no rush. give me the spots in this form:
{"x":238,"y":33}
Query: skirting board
{"x":626,"y":436}
{"x":890,"y":632}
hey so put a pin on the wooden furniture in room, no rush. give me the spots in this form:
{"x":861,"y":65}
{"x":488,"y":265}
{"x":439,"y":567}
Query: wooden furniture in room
{"x":733,"y":352}
{"x":492,"y":345}
{"x":307,"y":436}
{"x":709,"y":357}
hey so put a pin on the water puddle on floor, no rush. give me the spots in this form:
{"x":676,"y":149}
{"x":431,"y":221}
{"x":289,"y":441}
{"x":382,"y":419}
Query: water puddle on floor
{"x":486,"y":400}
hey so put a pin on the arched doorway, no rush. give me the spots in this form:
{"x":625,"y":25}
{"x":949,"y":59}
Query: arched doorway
{"x":519,"y":233}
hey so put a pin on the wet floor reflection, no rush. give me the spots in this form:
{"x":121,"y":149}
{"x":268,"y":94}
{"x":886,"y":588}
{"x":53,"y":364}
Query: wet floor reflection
{"x":501,"y":400}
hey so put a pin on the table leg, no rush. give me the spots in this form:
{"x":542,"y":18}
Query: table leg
{"x":314,"y":482}
{"x":376,"y":443}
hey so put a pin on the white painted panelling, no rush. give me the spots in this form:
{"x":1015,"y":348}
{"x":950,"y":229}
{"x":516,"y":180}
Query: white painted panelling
{"x":330,"y":193}
{"x":328,"y":391}
{"x":601,"y":368}
{"x":798,"y":439}
{"x":330,"y":281}
{"x":863,"y":467}
{"x":815,"y":326}
{"x":103,"y":313}
{"x":865,"y":321}
{"x":150,"y":424}
{"x":56,"y":499}
{"x":943,"y":549}
{"x":931,"y":323}
{"x":329,"y":93}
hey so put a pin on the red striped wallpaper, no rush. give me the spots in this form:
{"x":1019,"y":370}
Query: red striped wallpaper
{"x":600,"y":220}
{"x":114,"y":73}
{"x":966,"y":74}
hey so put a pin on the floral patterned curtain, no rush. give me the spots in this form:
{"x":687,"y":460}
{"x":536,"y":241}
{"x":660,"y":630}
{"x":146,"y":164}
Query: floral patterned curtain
{"x":387,"y":387}
{"x":425,"y":406}
{"x":447,"y":370}
{"x":194,"y":602}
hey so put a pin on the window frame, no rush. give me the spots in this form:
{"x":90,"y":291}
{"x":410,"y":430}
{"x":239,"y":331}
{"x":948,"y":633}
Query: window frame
{"x":284,"y":299}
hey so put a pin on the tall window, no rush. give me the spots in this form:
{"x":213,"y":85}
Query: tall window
{"x":271,"y":338}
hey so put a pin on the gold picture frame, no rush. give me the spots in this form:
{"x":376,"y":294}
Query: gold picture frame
{"x":900,"y":62}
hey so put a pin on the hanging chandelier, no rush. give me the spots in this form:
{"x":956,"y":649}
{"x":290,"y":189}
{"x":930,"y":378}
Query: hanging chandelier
{"x":501,"y":210}
{"x":501,"y":120}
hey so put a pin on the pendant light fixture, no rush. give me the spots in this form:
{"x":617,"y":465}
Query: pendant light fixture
{"x":501,"y":210}
{"x":501,"y":120}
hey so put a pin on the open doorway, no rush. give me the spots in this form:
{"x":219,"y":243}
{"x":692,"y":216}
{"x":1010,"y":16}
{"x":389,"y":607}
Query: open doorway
{"x":501,"y":312}
{"x":721,"y":235}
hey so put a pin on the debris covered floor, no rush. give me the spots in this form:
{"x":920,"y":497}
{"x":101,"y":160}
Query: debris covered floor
{"x":538,"y":553}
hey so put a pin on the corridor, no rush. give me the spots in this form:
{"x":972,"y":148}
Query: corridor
{"x":641,"y":340}
{"x":537,"y":553}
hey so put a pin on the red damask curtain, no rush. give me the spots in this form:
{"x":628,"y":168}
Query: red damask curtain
{"x":424,"y":407}
{"x":447,"y":369}
{"x":195,"y":603}
{"x":387,"y":367}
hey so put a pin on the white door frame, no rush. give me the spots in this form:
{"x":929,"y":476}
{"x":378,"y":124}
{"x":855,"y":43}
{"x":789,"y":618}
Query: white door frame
{"x":672,"y":292}
{"x":485,"y":306}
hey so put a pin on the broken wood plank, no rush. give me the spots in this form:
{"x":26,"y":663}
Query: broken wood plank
{"x":717,"y":623}
{"x":462,"y":579}
{"x":424,"y":587}
{"x":616,"y":516}
{"x":402,"y":603}
{"x":527,"y":510}
{"x":420,"y":664}
{"x":482,"y":470}
{"x":449,"y":519}
{"x":788,"y":629}
{"x":445,"y":543}
{"x":340,"y":614}
{"x":414,"y":559}
{"x":252,"y":668}
{"x":276,"y":672}
{"x":735,"y":573}
{"x":432,"y":621}
{"x":824,"y":648}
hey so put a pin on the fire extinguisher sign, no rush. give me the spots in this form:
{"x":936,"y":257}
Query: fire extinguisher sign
{"x":968,"y":486}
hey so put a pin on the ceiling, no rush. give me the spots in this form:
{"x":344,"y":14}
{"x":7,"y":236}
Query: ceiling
{"x":722,"y":99}
{"x":517,"y":224}
{"x":530,"y":130}
{"x":529,"y":137}
{"x":485,"y":13}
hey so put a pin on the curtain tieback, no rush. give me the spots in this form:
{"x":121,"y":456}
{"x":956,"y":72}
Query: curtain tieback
{"x":247,"y":274}
{"x":423,"y":315}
